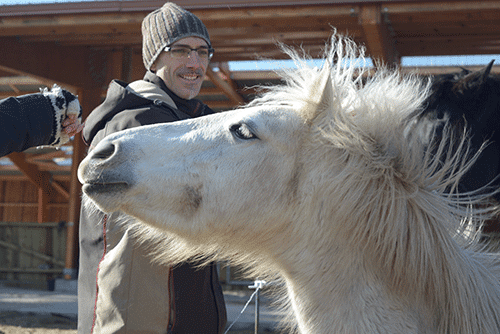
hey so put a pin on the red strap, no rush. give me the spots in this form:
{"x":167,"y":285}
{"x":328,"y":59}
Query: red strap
{"x":104,"y":221}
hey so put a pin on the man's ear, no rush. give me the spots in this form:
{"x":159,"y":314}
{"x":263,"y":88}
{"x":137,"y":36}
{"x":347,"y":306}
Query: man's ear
{"x":153,"y":66}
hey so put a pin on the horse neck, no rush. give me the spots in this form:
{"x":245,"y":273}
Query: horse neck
{"x":341,"y":292}
{"x":338,"y":286}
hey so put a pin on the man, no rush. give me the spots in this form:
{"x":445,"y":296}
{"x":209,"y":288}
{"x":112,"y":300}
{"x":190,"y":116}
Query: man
{"x":120,"y":290}
{"x":47,"y":118}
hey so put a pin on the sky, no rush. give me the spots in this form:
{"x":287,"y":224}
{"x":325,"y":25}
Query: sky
{"x":271,"y":65}
{"x":405,"y":61}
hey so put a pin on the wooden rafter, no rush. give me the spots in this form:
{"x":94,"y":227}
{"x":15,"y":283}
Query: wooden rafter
{"x":41,"y":179}
{"x":226,"y":87}
{"x":379,"y":42}
{"x":228,"y":76}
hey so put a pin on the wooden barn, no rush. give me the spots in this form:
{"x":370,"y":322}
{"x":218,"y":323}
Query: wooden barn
{"x":83,"y":45}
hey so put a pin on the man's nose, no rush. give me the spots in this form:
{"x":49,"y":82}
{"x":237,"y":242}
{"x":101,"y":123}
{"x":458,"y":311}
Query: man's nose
{"x":194,"y":59}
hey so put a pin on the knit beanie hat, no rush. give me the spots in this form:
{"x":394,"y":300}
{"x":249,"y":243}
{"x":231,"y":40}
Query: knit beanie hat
{"x":164,"y":26}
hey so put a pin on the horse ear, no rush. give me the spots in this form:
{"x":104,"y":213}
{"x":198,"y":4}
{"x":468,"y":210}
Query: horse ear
{"x":321,"y":91}
{"x":474,"y":80}
{"x":483,"y":74}
{"x":486,"y":71}
{"x":464,"y":71}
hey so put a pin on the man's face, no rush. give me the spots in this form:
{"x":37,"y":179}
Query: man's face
{"x":183,"y":76}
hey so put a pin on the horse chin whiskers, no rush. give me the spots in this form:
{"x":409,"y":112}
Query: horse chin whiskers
{"x":105,"y":196}
{"x":100,"y":188}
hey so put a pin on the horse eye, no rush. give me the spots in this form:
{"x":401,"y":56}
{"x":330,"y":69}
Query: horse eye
{"x":242,"y":131}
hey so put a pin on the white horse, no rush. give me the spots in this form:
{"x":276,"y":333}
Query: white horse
{"x":321,"y":182}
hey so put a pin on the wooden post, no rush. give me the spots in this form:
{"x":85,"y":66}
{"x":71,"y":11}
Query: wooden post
{"x":380,"y":44}
{"x":43,"y":208}
{"x":43,"y":216}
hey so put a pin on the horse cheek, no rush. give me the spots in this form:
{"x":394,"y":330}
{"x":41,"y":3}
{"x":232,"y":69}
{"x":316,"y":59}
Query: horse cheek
{"x":190,"y":201}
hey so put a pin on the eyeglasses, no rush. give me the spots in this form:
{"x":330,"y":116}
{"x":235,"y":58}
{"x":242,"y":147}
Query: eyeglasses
{"x":184,"y":52}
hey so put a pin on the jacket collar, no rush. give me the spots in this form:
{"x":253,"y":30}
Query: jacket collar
{"x":191,"y":107}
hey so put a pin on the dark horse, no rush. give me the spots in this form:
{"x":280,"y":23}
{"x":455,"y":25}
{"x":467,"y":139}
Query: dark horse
{"x":471,"y":100}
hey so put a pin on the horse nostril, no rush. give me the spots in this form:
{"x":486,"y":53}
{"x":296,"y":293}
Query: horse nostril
{"x":103,"y":152}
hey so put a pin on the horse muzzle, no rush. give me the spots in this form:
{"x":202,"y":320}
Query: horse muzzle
{"x":105,"y":171}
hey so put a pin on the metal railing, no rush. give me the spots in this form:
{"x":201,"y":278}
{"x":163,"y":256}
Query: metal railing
{"x":257,"y":284}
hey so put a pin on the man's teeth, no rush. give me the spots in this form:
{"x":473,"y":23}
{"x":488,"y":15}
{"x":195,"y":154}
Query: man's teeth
{"x":189,"y":77}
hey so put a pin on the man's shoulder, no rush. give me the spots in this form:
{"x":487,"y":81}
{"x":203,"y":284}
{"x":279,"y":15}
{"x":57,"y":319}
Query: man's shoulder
{"x":124,"y":101}
{"x":150,"y":91}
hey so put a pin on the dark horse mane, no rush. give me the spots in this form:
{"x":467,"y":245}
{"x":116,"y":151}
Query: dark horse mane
{"x":470,"y":101}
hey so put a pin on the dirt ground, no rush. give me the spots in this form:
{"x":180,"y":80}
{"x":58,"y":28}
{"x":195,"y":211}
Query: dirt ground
{"x":31,"y":323}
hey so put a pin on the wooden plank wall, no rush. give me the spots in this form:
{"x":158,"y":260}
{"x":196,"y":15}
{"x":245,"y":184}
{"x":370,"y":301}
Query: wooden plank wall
{"x":31,"y":253}
{"x":19,"y":202}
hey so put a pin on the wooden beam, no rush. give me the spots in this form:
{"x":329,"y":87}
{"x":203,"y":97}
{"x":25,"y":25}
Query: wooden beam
{"x":42,"y":181}
{"x":448,"y":46}
{"x":111,"y":19}
{"x":76,"y":66}
{"x":15,"y":89}
{"x":379,"y":42}
{"x":127,"y":69}
{"x":115,"y":64}
{"x":40,"y":178}
{"x":47,"y":156}
{"x":43,"y":209}
{"x":429,"y":7}
{"x":32,"y":205}
{"x":228,"y":76}
{"x":18,"y":80}
{"x":22,"y":177}
{"x":231,"y":93}
{"x":4,"y":95}
{"x":224,"y":105}
{"x":41,"y":81}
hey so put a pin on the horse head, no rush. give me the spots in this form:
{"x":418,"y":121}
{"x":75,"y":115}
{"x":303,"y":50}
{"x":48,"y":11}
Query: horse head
{"x":469,"y":102}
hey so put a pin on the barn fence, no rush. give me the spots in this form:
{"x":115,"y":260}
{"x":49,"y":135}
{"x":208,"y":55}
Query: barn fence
{"x":32,"y":254}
